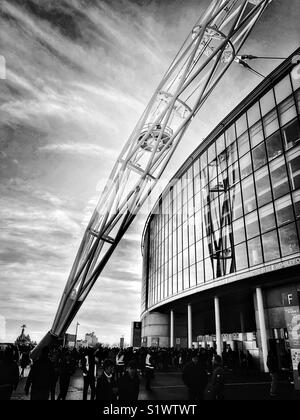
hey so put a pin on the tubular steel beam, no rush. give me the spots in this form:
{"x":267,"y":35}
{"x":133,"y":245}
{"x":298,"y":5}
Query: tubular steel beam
{"x":209,"y":50}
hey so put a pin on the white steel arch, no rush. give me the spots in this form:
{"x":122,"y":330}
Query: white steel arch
{"x":210,"y":48}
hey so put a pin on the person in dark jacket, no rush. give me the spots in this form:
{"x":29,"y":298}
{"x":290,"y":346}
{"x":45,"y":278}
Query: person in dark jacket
{"x":41,"y":378}
{"x":215,"y":387}
{"x":129,"y":383}
{"x":194,"y":377}
{"x":88,"y":363}
{"x":65,"y":369}
{"x":274,"y":373}
{"x":105,"y":389}
{"x":9,"y":374}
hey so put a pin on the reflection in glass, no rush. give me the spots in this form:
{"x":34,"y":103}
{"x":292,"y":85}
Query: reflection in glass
{"x":193,"y":277}
{"x":283,"y":89}
{"x":267,"y":218}
{"x":248,"y":194}
{"x":241,"y":125}
{"x":279,"y":177}
{"x":255,"y":252}
{"x":259,"y":156}
{"x":296,"y":201}
{"x":245,"y":165}
{"x":291,"y":134}
{"x":230,"y":135}
{"x":200,"y":272}
{"x":251,"y":223}
{"x":243,"y":144}
{"x":253,"y":114}
{"x":274,"y":145}
{"x":236,"y":201}
{"x":241,"y":260}
{"x":239,"y":231}
{"x":284,"y":210}
{"x":256,"y":134}
{"x":287,"y":111}
{"x":288,"y":240}
{"x":270,"y":123}
{"x":270,"y":246}
{"x":208,"y":269}
{"x":267,"y":102}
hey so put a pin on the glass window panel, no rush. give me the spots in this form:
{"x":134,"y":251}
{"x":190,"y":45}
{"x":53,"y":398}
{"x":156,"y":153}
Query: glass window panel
{"x":233,"y":174}
{"x":193,"y":281}
{"x":296,"y":201}
{"x":241,"y":259}
{"x":232,"y":153}
{"x":186,"y":279}
{"x":255,"y":252}
{"x":270,"y":123}
{"x":179,"y":262}
{"x":190,"y":190}
{"x":211,"y":152}
{"x":179,"y":282}
{"x":293,"y":164}
{"x":248,"y":194}
{"x":199,"y":250}
{"x":287,"y":111}
{"x":284,"y":210}
{"x":243,"y":144}
{"x":267,"y":218}
{"x":263,"y":188}
{"x":192,"y":254}
{"x":200,"y":272}
{"x":288,"y":238}
{"x":267,"y":102}
{"x":206,"y":247}
{"x":239,"y":231}
{"x":270,"y":246}
{"x":291,"y":134}
{"x":220,"y":144}
{"x":230,"y":135}
{"x":251,"y":223}
{"x":186,"y":258}
{"x":279,"y":178}
{"x":253,"y":114}
{"x":241,"y":125}
{"x":245,"y":165}
{"x":236,"y":201}
{"x":283,"y":89}
{"x":256,"y":134}
{"x":274,"y":145}
{"x":208,"y":270}
{"x":185,"y":236}
{"x":259,"y":156}
{"x":295,"y":77}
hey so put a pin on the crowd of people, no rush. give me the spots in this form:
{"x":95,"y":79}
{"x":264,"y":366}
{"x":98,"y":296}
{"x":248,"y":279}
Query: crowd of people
{"x":114,"y":373}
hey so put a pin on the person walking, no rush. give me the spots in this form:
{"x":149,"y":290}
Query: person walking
{"x":194,"y":377}
{"x":89,"y":367}
{"x":274,"y":373}
{"x":105,"y":389}
{"x":9,"y":374}
{"x":129,"y":383}
{"x":215,"y":388}
{"x":149,"y":369}
{"x":65,"y":371}
{"x":41,"y":378}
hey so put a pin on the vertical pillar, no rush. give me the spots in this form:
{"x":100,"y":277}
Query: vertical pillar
{"x":171,"y":328}
{"x":190,"y":326}
{"x":242,"y":323}
{"x":218,"y":326}
{"x":262,"y":326}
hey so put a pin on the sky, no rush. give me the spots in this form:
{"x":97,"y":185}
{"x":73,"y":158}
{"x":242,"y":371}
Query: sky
{"x":78,"y":76}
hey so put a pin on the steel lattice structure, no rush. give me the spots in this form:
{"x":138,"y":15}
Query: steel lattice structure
{"x":207,"y":53}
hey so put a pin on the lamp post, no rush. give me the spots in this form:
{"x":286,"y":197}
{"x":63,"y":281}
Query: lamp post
{"x":76,"y":334}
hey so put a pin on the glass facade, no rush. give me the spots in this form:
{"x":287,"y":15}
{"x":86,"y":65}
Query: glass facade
{"x":237,"y":206}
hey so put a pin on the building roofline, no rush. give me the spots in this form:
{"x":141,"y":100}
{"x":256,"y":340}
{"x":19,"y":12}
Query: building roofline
{"x":243,"y":106}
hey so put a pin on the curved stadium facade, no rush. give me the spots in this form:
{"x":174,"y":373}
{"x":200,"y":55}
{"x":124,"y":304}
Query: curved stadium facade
{"x":221,"y":250}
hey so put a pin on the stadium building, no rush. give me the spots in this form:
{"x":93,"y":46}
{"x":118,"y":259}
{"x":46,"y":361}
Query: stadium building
{"x":221,"y":251}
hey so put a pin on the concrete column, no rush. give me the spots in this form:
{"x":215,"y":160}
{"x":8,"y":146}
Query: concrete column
{"x":218,"y":326}
{"x":171,"y":328}
{"x":190,"y":327}
{"x":262,"y":326}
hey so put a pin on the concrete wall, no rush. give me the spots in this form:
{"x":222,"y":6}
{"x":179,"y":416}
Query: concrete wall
{"x":156,"y":325}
